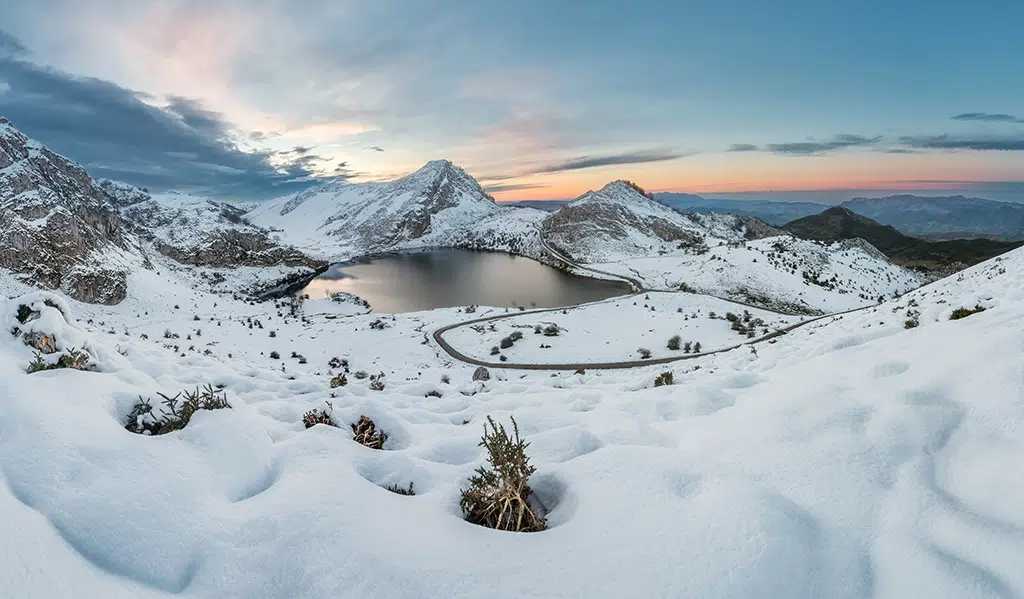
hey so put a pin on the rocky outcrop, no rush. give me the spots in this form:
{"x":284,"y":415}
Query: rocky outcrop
{"x":55,"y":223}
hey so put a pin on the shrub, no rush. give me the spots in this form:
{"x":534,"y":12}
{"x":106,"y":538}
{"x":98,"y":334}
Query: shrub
{"x":664,"y":378}
{"x":911,"y":323}
{"x":177,"y":412}
{"x":965,"y":312}
{"x":319,"y":416}
{"x":401,"y":490}
{"x":446,"y":379}
{"x":507,"y":342}
{"x":644,"y":353}
{"x":365,"y":433}
{"x":503,"y":358}
{"x":433,"y":393}
{"x":170,"y":335}
{"x":673,"y":342}
{"x":377,"y":382}
{"x":273,"y":333}
{"x":498,"y":497}
{"x":537,"y":330}
{"x":339,"y":381}
{"x":688,"y":347}
{"x":696,"y":347}
{"x":275,"y":356}
{"x":379,"y":325}
{"x":72,"y":358}
{"x":495,"y":351}
{"x":360,"y":374}
{"x":516,"y":335}
{"x":552,"y":330}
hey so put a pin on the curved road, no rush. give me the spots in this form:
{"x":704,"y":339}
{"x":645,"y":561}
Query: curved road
{"x":438,"y":335}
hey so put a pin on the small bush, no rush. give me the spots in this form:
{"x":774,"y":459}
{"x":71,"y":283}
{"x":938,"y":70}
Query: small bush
{"x":644,"y":353}
{"x":664,"y":378}
{"x":696,"y":347}
{"x":507,"y":342}
{"x":503,"y":358}
{"x":911,"y":323}
{"x":537,"y":330}
{"x":401,"y":490}
{"x":446,"y":379}
{"x":273,"y":334}
{"x":498,"y":497}
{"x":72,"y":358}
{"x":379,"y":325}
{"x":377,"y":382}
{"x":673,"y":342}
{"x":688,"y":347}
{"x":360,"y":374}
{"x":319,"y":416}
{"x":552,"y":330}
{"x":433,"y":393}
{"x":965,"y":312}
{"x":495,"y":351}
{"x":339,"y":381}
{"x":365,"y":433}
{"x":275,"y":356}
{"x":516,"y":335}
{"x":177,"y":412}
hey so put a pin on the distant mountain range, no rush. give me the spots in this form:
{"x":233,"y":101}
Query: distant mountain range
{"x":938,"y":217}
{"x":839,"y":223}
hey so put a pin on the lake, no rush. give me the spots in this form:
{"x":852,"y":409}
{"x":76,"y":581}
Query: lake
{"x":450,"y":277}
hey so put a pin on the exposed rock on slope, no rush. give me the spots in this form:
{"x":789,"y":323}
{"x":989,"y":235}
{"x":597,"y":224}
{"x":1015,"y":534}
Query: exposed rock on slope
{"x":57,"y":228}
{"x":619,"y":221}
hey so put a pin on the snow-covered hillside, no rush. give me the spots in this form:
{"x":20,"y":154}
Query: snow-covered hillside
{"x":853,"y":457}
{"x":437,"y":206}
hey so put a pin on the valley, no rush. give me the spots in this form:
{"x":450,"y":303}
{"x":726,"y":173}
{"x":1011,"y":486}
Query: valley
{"x":708,"y":400}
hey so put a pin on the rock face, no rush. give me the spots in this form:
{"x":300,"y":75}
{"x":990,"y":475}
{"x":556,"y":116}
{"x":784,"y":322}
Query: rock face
{"x":202,"y":232}
{"x":481,"y":374}
{"x":57,"y":228}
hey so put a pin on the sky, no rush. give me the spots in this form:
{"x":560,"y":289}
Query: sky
{"x":538,"y":99}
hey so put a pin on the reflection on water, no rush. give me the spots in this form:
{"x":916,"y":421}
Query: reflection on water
{"x":444,"y":278}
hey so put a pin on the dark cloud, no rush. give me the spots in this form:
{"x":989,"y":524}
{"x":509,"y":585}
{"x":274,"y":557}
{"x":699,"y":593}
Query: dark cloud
{"x":898,"y":151}
{"x":375,"y":148}
{"x":513,"y":187}
{"x":611,"y":160}
{"x":743,"y":148}
{"x":988,"y":117}
{"x":950,"y":142}
{"x":809,"y":148}
{"x":10,"y":47}
{"x":113,"y":133}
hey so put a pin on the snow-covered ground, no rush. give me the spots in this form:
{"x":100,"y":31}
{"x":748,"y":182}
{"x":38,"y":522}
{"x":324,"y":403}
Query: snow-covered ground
{"x":852,"y":457}
{"x":615,"y":330}
{"x":783,"y":272}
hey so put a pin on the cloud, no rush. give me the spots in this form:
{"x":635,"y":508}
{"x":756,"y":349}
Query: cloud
{"x":10,"y":46}
{"x":513,"y":187}
{"x":743,"y":148}
{"x":120,"y":134}
{"x":809,"y":148}
{"x":585,"y":162}
{"x":950,"y":142}
{"x":375,"y":148}
{"x":898,"y":151}
{"x":988,"y":117}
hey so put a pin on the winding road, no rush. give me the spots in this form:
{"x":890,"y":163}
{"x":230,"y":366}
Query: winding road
{"x":638,"y":288}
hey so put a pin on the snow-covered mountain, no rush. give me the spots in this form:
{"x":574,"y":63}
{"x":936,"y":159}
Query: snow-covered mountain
{"x":619,"y":221}
{"x":439,"y":205}
{"x":57,"y":228}
{"x":60,"y":229}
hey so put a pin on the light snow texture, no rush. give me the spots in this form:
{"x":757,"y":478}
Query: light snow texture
{"x":850,"y":458}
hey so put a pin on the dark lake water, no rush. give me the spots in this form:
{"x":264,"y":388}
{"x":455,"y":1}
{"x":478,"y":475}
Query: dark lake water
{"x":446,"y":278}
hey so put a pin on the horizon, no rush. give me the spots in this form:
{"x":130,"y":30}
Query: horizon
{"x":537,"y":101}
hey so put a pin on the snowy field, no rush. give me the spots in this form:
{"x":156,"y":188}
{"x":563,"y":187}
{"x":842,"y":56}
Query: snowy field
{"x":615,"y":330}
{"x":772,"y":271}
{"x":853,"y":457}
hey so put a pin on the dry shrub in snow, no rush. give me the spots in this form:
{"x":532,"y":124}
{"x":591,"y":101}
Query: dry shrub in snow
{"x":498,"y":497}
{"x":339,"y":381}
{"x":965,"y":312}
{"x":664,"y":378}
{"x":401,"y":490}
{"x":176,"y":412}
{"x":673,"y":342}
{"x":366,"y":433}
{"x":319,"y":416}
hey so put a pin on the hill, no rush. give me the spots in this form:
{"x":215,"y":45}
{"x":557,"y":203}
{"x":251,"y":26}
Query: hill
{"x":839,"y":222}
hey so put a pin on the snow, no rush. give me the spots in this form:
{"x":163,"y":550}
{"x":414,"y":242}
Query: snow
{"x":613,"y":330}
{"x":848,"y":458}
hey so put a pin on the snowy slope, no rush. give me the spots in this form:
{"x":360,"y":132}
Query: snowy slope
{"x":850,"y":458}
{"x":437,"y":206}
